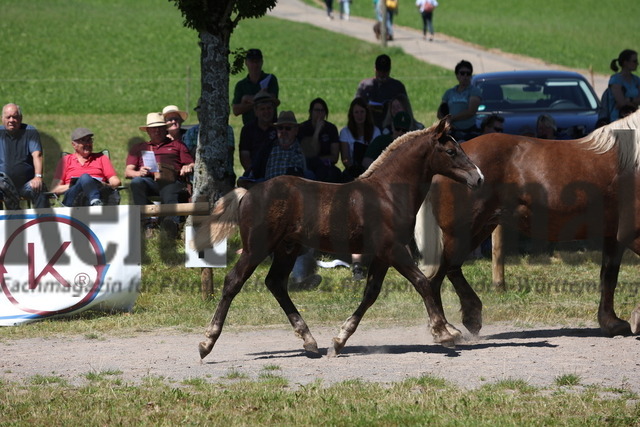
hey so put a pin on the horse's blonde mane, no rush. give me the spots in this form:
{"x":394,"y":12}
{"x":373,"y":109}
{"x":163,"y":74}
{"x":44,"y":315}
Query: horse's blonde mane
{"x":392,"y":147}
{"x":620,"y":134}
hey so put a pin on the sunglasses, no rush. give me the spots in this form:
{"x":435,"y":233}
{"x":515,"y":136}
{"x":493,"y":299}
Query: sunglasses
{"x":287,"y":128}
{"x":464,"y":73}
{"x":173,"y":119}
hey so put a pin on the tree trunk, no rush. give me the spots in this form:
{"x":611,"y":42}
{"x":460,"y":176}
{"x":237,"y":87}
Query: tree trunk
{"x":210,"y":173}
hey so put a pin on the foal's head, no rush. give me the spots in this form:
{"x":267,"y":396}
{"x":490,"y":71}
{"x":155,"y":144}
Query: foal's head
{"x":448,"y":159}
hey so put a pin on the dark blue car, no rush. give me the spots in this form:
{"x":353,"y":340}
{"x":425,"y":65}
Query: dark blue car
{"x":521,"y":96}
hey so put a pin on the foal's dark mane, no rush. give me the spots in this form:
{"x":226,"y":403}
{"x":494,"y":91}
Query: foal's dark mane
{"x":407,"y":138}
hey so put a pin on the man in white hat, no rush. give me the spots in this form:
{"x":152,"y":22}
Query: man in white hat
{"x":84,"y":172}
{"x":159,"y":167}
{"x":174,"y":117}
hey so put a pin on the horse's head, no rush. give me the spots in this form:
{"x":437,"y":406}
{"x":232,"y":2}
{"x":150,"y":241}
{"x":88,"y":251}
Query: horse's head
{"x":450,"y":160}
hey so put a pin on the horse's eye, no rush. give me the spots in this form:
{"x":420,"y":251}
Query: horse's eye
{"x":451,"y":152}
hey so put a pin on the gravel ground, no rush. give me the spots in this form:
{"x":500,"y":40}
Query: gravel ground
{"x":537,"y":355}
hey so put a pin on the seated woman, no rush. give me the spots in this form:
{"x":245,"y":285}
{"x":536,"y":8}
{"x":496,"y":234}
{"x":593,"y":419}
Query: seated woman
{"x":355,"y":137}
{"x":320,"y":143}
{"x":84,"y":177}
{"x":397,"y":104}
{"x":462,"y":102}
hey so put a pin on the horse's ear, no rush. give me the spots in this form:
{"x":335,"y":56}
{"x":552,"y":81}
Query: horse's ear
{"x":443,"y":127}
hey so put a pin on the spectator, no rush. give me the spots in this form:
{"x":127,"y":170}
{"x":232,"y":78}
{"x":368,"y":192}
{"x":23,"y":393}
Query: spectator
{"x":84,"y":177}
{"x":624,"y":85}
{"x":191,"y":137}
{"x":174,"y":118}
{"x":546,"y":127}
{"x":345,"y":9}
{"x":285,"y":157}
{"x":426,"y":8}
{"x":461,"y":102}
{"x":320,"y":143}
{"x":378,"y":90}
{"x":355,"y":137}
{"x":329,"y":5}
{"x":401,"y":125}
{"x":492,"y":123}
{"x":21,"y":162}
{"x":256,"y":81}
{"x":258,"y":136}
{"x":397,"y":104}
{"x":159,"y":168}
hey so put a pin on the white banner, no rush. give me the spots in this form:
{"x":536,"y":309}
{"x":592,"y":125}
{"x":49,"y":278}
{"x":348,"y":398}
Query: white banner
{"x":57,"y":262}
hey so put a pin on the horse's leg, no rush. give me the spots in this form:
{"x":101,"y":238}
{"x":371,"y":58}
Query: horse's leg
{"x":634,"y":320}
{"x":276,"y":282}
{"x":429,"y":289}
{"x":375,"y":276}
{"x":233,"y":282}
{"x":470,"y":303}
{"x":611,"y":258}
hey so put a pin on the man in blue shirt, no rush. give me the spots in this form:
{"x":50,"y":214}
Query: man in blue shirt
{"x":21,"y":159}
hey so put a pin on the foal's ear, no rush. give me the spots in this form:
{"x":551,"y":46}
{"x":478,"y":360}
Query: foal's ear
{"x":443,"y":127}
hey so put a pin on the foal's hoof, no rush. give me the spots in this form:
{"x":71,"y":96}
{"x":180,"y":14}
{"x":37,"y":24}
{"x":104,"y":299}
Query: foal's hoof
{"x":204,"y":350}
{"x":335,"y":349}
{"x":455,"y":332}
{"x":473,"y":322}
{"x":311,"y":347}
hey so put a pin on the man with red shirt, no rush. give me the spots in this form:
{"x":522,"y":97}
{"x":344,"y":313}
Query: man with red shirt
{"x":84,"y":171}
{"x":159,"y":168}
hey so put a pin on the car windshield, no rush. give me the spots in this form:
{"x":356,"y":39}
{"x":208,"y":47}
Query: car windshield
{"x":538,"y":94}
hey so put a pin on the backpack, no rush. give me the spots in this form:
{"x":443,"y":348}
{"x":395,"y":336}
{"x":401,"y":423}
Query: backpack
{"x":11,"y":196}
{"x":391,"y":4}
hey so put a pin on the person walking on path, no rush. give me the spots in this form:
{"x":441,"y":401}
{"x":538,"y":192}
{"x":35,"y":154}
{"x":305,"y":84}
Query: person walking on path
{"x":426,"y":8}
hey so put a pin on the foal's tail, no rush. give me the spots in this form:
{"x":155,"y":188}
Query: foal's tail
{"x":429,"y":239}
{"x":222,"y":221}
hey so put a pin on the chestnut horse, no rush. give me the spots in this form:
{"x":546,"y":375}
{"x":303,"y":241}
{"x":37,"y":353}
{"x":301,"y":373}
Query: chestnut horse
{"x":548,"y":190}
{"x":375,"y":214}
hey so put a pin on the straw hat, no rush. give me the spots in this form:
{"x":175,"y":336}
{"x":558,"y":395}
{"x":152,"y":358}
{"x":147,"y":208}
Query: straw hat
{"x":286,"y":118}
{"x":154,"y":120}
{"x":174,"y":109}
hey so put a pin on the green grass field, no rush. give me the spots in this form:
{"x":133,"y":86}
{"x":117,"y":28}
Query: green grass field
{"x":104,"y":64}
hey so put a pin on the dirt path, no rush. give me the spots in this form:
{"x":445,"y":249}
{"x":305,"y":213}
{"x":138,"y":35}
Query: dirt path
{"x":536,"y":355}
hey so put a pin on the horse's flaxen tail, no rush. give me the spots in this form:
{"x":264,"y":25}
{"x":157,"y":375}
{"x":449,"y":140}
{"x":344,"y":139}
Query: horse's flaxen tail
{"x":429,"y":239}
{"x":222,"y":221}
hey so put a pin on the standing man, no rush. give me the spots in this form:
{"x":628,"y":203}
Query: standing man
{"x":379,"y":90}
{"x":258,"y":136}
{"x":21,"y":161}
{"x":255,"y":81}
{"x":159,"y":168}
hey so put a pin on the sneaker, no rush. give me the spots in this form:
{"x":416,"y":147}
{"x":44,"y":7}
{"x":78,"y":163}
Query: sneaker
{"x":96,"y":202}
{"x":357,"y":271}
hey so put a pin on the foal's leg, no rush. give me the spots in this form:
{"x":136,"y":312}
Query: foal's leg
{"x":611,"y":259}
{"x":276,"y":282}
{"x":233,"y":282}
{"x":375,"y":276}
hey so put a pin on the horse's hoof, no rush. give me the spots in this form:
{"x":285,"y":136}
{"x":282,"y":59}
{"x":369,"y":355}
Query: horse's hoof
{"x":635,"y":320}
{"x":335,"y":348}
{"x":204,"y":350}
{"x":473,"y":323}
{"x":618,"y":328}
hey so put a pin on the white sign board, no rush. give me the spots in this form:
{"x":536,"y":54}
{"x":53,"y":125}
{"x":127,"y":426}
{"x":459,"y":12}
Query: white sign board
{"x":215,"y":257}
{"x":56,"y":262}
